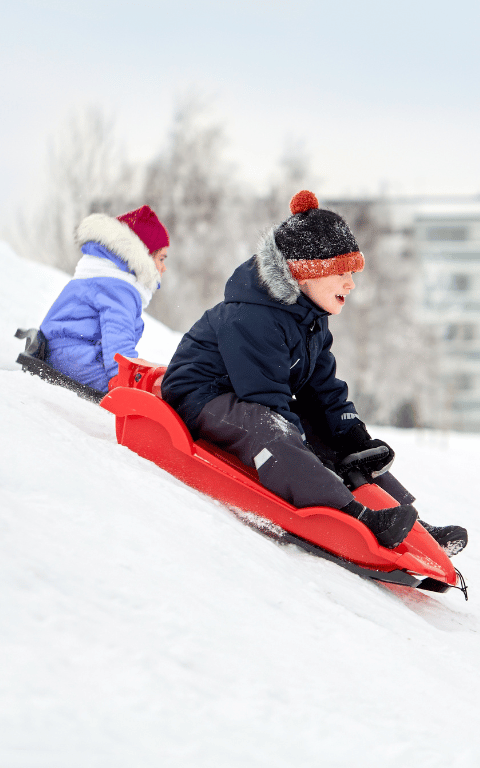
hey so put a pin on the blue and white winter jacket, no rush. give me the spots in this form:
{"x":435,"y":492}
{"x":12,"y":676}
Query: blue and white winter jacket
{"x":266,"y":342}
{"x":98,"y":313}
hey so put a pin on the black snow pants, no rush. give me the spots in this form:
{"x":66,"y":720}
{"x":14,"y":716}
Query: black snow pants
{"x":263,"y":439}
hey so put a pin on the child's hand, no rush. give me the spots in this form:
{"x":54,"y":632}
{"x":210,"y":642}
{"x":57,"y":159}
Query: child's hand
{"x":376,"y":456}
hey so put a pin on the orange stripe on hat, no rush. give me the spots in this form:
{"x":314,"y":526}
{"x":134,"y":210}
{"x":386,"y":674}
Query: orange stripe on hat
{"x":305,"y":269}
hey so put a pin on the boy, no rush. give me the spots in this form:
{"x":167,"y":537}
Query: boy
{"x":255,"y":374}
{"x":98,"y":313}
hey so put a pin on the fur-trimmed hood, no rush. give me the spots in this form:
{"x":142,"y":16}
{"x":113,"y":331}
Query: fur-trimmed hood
{"x":273,"y":271}
{"x":123,"y":242}
{"x":272,"y":290}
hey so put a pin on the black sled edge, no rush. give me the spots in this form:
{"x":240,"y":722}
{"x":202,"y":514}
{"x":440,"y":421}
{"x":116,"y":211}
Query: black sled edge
{"x":402,"y":578}
{"x":32,"y":362}
{"x":390,"y":577}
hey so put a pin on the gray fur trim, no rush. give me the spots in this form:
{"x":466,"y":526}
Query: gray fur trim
{"x":123,"y":242}
{"x":273,"y":271}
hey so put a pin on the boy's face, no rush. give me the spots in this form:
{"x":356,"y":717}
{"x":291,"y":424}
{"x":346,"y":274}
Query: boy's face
{"x":159,"y":259}
{"x":328,"y":292}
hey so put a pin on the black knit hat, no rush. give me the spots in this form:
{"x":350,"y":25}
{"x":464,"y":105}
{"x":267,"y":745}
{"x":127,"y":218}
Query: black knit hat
{"x":317,"y":242}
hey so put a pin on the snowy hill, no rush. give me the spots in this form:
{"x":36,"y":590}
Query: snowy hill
{"x":144,"y":625}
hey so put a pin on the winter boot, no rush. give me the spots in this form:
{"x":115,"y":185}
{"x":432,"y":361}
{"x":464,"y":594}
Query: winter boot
{"x":451,"y":538}
{"x":389,"y":526}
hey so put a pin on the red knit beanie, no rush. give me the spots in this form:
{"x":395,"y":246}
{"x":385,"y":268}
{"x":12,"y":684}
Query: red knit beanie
{"x":317,"y":242}
{"x":146,"y":225}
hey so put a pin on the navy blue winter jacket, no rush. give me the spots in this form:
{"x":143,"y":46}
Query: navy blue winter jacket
{"x":267,"y":342}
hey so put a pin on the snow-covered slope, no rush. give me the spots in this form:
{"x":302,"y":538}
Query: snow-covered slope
{"x":143,"y":625}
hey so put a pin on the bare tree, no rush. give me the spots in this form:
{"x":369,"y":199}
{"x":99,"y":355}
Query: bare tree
{"x":85,"y":173}
{"x":292,"y":174}
{"x":192,"y":189}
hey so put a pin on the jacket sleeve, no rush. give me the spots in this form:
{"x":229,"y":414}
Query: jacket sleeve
{"x":326,"y":397}
{"x":119,"y":307}
{"x":258,"y":364}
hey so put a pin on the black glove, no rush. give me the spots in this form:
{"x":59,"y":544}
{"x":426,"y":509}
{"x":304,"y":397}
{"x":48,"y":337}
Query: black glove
{"x":356,"y":449}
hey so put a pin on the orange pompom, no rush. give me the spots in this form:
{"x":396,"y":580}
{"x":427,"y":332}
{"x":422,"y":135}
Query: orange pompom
{"x":303,"y":201}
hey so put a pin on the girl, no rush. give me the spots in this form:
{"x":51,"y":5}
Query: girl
{"x":98,"y":313}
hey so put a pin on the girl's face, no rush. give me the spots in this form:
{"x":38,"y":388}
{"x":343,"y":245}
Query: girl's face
{"x":159,"y":259}
{"x":328,"y":292}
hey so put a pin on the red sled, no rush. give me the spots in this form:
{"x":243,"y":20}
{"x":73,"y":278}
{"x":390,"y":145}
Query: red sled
{"x":151,"y":428}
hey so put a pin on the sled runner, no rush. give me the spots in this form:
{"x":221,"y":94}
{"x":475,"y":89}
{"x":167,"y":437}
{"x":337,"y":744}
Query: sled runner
{"x":33,"y":361}
{"x":151,"y":428}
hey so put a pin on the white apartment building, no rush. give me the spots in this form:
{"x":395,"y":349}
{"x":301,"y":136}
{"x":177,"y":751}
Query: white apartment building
{"x":446,"y":244}
{"x":439,"y":239}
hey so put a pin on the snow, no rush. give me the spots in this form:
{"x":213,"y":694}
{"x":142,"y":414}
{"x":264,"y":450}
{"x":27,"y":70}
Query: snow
{"x":144,"y":624}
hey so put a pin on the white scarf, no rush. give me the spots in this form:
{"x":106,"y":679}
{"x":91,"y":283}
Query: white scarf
{"x":96,"y":266}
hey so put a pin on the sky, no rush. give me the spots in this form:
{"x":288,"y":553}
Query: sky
{"x":382,"y":96}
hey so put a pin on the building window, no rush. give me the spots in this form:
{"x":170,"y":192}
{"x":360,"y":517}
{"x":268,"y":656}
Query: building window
{"x":460,"y":332}
{"x":459,"y":382}
{"x":447,"y":233}
{"x":463,"y":381}
{"x":451,"y":332}
{"x":460,"y":282}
